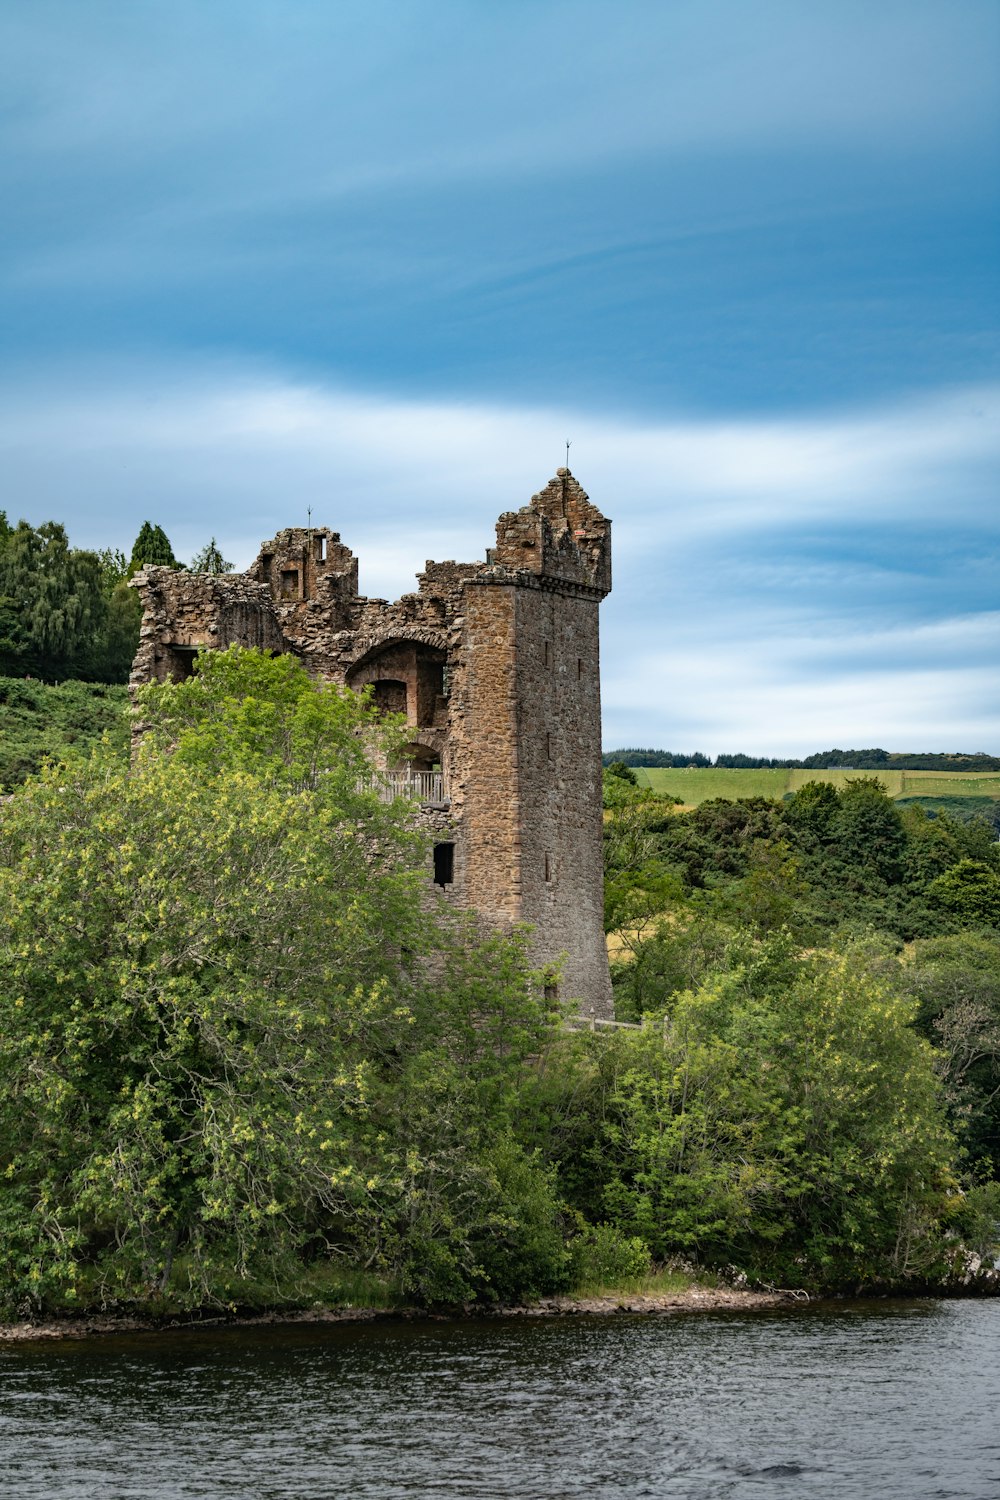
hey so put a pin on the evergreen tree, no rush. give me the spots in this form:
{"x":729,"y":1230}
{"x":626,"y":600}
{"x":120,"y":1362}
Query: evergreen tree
{"x":152,"y":547}
{"x":210,"y":560}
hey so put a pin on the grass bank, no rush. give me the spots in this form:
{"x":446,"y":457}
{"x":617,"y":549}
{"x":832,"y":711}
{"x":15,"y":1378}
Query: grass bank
{"x":700,"y":783}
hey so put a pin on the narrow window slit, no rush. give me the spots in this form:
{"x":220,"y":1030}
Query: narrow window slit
{"x":444,"y":864}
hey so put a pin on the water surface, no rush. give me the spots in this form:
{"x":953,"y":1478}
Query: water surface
{"x":866,"y":1401}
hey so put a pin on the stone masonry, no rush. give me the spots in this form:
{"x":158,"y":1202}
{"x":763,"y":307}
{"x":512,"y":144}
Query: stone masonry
{"x":496,"y":667}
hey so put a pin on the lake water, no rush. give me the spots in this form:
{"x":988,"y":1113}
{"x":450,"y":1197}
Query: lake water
{"x":866,"y":1401}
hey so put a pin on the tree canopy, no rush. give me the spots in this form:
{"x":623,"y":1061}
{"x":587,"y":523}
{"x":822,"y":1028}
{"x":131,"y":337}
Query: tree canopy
{"x":219,"y":1041}
{"x":210,"y":560}
{"x":151,"y":547}
{"x":66,"y":612}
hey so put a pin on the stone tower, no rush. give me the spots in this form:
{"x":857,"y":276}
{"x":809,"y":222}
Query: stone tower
{"x":496,"y":668}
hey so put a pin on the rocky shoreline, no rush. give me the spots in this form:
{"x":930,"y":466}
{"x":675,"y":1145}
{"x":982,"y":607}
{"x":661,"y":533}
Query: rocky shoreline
{"x":690,"y":1299}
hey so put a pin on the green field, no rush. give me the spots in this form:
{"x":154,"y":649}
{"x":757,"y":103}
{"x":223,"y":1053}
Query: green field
{"x":701,"y":783}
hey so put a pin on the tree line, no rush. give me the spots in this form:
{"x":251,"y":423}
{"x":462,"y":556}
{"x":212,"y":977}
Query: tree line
{"x":67,"y":612}
{"x":822,"y":760}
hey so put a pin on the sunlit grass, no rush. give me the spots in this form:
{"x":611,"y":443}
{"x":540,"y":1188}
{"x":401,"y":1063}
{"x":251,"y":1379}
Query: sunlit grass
{"x":700,"y":783}
{"x":665,"y":1282}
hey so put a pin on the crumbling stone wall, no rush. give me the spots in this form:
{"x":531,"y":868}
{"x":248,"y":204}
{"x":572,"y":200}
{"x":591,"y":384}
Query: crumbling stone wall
{"x":496,"y":666}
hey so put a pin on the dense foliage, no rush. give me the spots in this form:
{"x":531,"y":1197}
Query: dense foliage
{"x":39,"y":721}
{"x":220,"y":1046}
{"x":63,"y":613}
{"x":823,"y":858}
{"x":240,"y":1043}
{"x":780,"y":1114}
{"x":66,"y":612}
{"x":655,"y":758}
{"x":843,"y":877}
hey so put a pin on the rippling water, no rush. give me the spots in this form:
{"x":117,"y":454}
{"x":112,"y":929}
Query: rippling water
{"x":862,"y":1401}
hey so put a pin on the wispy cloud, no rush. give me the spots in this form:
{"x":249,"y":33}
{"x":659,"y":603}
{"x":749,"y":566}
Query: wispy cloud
{"x":484,"y":88}
{"x":781,"y":585}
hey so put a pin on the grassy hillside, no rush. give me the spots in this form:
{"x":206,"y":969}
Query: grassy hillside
{"x":39,"y":720}
{"x":702,"y":783}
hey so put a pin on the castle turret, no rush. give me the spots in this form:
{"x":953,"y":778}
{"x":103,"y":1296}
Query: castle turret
{"x":532,"y":806}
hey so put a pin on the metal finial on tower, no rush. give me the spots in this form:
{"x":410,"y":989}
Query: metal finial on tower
{"x":309,"y":513}
{"x":568,"y":446}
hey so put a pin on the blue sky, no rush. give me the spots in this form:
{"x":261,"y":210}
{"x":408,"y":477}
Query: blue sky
{"x":383,"y":260}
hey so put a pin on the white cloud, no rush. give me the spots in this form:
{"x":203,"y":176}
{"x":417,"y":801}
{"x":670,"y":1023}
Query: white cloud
{"x":774,"y":691}
{"x":720,"y":634}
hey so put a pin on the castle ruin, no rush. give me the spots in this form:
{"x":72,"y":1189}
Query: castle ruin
{"x":495,"y":666}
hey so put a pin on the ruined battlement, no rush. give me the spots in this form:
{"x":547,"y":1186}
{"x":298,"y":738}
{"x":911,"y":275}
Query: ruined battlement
{"x":495,"y":667}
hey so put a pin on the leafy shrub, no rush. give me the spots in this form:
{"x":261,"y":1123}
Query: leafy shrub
{"x":603,"y":1256}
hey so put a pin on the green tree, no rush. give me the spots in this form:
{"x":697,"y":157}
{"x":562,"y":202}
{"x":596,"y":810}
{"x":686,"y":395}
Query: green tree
{"x":114,"y":654}
{"x":52,"y":607}
{"x":868,"y":831}
{"x":197,"y":964}
{"x":813,"y":809}
{"x":956,"y":982}
{"x":220,"y":1045}
{"x":619,"y":769}
{"x":210,"y":560}
{"x":151,"y":548}
{"x":768,"y":897}
{"x":783,"y":1116}
{"x":971,"y":890}
{"x":114,"y":569}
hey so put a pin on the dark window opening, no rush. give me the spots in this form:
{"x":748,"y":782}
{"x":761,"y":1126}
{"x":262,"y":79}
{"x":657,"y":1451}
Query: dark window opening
{"x":180,"y":662}
{"x":417,"y":757}
{"x":548,"y":868}
{"x":548,"y":746}
{"x":430,"y":690}
{"x":319,"y":549}
{"x":579,"y":668}
{"x":548,"y":654}
{"x":444,"y":864}
{"x":265,"y":565}
{"x":389,"y":696}
{"x":290,"y":583}
{"x":550,"y":990}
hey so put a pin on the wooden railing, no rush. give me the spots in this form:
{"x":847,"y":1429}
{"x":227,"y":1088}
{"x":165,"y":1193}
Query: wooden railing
{"x":417,"y":786}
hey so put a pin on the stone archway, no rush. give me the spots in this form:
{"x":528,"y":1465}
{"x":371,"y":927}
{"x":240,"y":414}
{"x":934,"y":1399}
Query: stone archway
{"x":407,"y":672}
